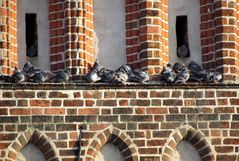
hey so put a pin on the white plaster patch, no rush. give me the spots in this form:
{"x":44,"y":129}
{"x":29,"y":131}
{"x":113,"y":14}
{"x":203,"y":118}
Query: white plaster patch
{"x":39,"y":7}
{"x":109,"y":37}
{"x":30,"y":153}
{"x":109,"y":152}
{"x":191,"y":8}
{"x":185,"y":152}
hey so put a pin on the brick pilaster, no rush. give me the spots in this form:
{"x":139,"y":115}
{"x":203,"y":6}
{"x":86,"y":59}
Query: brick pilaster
{"x":225,"y":27}
{"x":207,"y":34}
{"x":8,"y":33}
{"x":132,"y":32}
{"x":153,"y":35}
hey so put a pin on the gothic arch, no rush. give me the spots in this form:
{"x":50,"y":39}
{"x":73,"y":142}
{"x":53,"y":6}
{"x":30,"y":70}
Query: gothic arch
{"x":193,"y":136}
{"x":35,"y":137}
{"x":115,"y":136}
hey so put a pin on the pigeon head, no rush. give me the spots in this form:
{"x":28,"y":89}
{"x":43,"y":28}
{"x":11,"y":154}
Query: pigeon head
{"x":125,"y":69}
{"x":178,"y":67}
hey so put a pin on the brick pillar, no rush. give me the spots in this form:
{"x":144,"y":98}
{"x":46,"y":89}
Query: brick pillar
{"x":57,"y":30}
{"x":8,"y":34}
{"x":71,"y":29}
{"x":79,"y":54}
{"x":207,"y":34}
{"x":153,"y":35}
{"x":132,"y":33}
{"x":225,"y":17}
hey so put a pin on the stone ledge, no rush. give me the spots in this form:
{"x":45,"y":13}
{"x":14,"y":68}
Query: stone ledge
{"x":96,"y":86}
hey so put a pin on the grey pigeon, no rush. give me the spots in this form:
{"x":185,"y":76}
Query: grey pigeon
{"x":182,"y":73}
{"x":92,"y":77}
{"x":62,"y":76}
{"x":39,"y":77}
{"x":106,"y":75}
{"x":124,"y":69}
{"x":29,"y":70}
{"x":18,"y":76}
{"x":167,"y":74}
{"x":183,"y":51}
{"x":139,"y":76}
{"x":213,"y":77}
{"x":119,"y":78}
{"x":97,"y":67}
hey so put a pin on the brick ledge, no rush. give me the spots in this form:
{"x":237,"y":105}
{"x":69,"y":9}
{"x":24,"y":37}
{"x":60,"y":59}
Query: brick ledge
{"x":96,"y":86}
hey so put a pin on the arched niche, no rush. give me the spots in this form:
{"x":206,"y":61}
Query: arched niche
{"x":33,"y":33}
{"x":184,"y":26}
{"x":189,"y":138}
{"x":32,"y":138}
{"x":185,"y":151}
{"x":109,"y":152}
{"x":111,"y":136}
{"x":30,"y":153}
{"x":109,"y":33}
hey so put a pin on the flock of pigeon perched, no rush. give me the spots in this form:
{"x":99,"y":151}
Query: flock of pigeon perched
{"x":122,"y":75}
{"x":180,"y":74}
{"x":176,"y":74}
{"x":30,"y":73}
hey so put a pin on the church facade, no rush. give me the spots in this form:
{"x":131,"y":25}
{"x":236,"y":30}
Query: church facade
{"x":133,"y":122}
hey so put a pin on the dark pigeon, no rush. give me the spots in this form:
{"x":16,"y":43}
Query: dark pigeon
{"x":126,"y":69}
{"x":62,"y":76}
{"x":18,"y":76}
{"x":139,"y":76}
{"x":40,"y":77}
{"x":106,"y":75}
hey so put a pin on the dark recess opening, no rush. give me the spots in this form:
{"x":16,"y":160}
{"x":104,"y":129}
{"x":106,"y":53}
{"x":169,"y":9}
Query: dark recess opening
{"x":183,"y":50}
{"x":31,"y":35}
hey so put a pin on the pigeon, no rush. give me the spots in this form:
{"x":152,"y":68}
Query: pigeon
{"x":197,"y":73}
{"x":119,"y":78}
{"x":62,"y":76}
{"x":6,"y":78}
{"x":18,"y":76}
{"x":183,"y":51}
{"x":178,"y":67}
{"x":29,"y":70}
{"x":213,"y":77}
{"x":92,"y":77}
{"x":194,"y":67}
{"x":182,"y":73}
{"x":97,"y":67}
{"x":106,"y":75}
{"x":139,"y":76}
{"x":126,"y":69}
{"x":39,"y":77}
{"x":167,"y":74}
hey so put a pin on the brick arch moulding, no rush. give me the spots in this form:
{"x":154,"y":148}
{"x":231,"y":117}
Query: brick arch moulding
{"x":118,"y":138}
{"x":35,"y":137}
{"x":191,"y":135}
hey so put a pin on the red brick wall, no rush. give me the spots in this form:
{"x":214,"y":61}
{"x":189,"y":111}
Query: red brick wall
{"x":149,"y":120}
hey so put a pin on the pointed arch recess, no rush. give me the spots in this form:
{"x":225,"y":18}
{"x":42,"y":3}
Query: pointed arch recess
{"x":115,"y":136}
{"x":193,"y":136}
{"x":35,"y":137}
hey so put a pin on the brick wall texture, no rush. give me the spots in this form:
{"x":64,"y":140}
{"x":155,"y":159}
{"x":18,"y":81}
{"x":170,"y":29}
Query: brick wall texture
{"x":144,"y":122}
